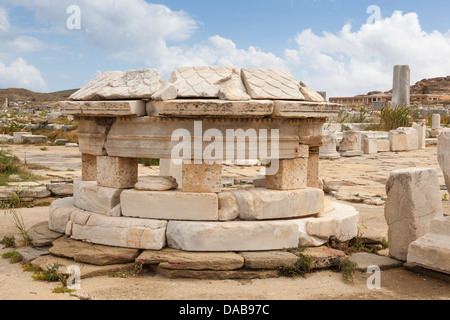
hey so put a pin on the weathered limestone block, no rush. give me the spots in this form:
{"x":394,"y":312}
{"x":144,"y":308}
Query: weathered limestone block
{"x":271,"y":84}
{"x":232,"y":236}
{"x":432,"y":251}
{"x":182,"y":260}
{"x":115,"y":172}
{"x":88,"y":167}
{"x":444,"y":155}
{"x":111,"y":108}
{"x":59,"y":214}
{"x":202,"y":178}
{"x":329,"y":148}
{"x":263,"y":204}
{"x":414,"y":200}
{"x":116,"y":85}
{"x":369,"y":145}
{"x":170,"y":205}
{"x":404,"y":139}
{"x":89,"y":196}
{"x":313,"y":168}
{"x":167,"y":92}
{"x":292,"y":175}
{"x":304,"y":109}
{"x":205,"y":82}
{"x":341,"y":223}
{"x":269,"y":259}
{"x":119,"y":232}
{"x":228,"y":206}
{"x":32,"y":139}
{"x":17,"y":136}
{"x":180,"y":108}
{"x":92,"y":134}
{"x":350,"y":145}
{"x":383,"y":145}
{"x":309,"y":93}
{"x":42,"y":236}
{"x":156,"y":183}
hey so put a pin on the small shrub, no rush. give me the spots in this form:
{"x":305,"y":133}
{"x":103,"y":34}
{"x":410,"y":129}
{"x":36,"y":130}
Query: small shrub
{"x":28,"y":267}
{"x":347,"y":268}
{"x":49,"y":275}
{"x":62,"y":289}
{"x":20,"y":226}
{"x":8,"y":242}
{"x":149,"y":162}
{"x":445,"y":197}
{"x":301,"y":267}
{"x":392,"y":118}
{"x":13,"y":257}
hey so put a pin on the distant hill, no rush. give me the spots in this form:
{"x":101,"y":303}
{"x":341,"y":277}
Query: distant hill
{"x":432,"y":86}
{"x":24,"y":94}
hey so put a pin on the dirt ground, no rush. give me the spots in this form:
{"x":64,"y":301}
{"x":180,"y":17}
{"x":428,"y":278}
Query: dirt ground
{"x":364,"y":174}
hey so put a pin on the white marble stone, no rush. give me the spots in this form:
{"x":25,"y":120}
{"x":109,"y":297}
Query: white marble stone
{"x":117,"y":85}
{"x":170,"y":205}
{"x":413,"y":201}
{"x":443,"y":151}
{"x":232,"y":236}
{"x":404,"y":139}
{"x":271,"y":84}
{"x":309,"y":93}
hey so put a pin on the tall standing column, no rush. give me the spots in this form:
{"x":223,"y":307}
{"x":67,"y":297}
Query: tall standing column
{"x":401,"y":92}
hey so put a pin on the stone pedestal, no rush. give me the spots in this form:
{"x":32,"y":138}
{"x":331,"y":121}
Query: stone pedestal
{"x":413,"y":201}
{"x":350,"y":145}
{"x":119,"y":173}
{"x":329,"y":148}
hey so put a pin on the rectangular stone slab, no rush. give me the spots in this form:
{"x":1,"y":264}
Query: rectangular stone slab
{"x":175,"y":205}
{"x":232,"y":236}
{"x":103,"y":108}
{"x":210,"y":108}
{"x":305,"y":109}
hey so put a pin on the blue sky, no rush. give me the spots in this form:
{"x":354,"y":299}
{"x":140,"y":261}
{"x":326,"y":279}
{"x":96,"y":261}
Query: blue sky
{"x":331,"y":45}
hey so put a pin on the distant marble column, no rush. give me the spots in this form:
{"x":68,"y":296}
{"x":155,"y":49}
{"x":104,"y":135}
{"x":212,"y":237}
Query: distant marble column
{"x":436,"y":128}
{"x":401,"y":92}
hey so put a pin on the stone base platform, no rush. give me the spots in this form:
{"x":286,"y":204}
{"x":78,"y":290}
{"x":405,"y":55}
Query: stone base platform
{"x":337,"y":220}
{"x":97,"y":260}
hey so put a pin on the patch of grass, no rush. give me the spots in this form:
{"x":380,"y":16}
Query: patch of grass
{"x":20,"y":226}
{"x":62,"y":289}
{"x":28,"y":267}
{"x":44,"y":149}
{"x":445,"y":197}
{"x":51,"y":274}
{"x":8,"y":242}
{"x":11,"y":165}
{"x":301,"y":267}
{"x":347,"y":268}
{"x":13,"y":257}
{"x":392,"y":118}
{"x":385,"y":243}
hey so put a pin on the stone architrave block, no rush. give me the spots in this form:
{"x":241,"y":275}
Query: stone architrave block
{"x":88,"y":167}
{"x":90,"y":197}
{"x":170,"y":205}
{"x":232,"y":236}
{"x":413,"y":201}
{"x":292,"y":175}
{"x":202,"y":178}
{"x":118,"y":173}
{"x":432,"y":251}
{"x":443,"y":151}
{"x":271,"y":84}
{"x":404,"y":139}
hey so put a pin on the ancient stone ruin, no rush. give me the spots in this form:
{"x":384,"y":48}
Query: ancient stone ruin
{"x":124,"y":116}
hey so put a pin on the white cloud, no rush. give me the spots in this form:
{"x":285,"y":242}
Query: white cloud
{"x":355,"y":62}
{"x":19,"y":74}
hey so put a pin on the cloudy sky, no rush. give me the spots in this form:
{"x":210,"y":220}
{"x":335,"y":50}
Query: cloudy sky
{"x":344,"y":47}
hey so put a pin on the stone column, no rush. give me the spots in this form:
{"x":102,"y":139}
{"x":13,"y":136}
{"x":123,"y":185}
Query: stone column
{"x":401,"y":92}
{"x":313,"y":167}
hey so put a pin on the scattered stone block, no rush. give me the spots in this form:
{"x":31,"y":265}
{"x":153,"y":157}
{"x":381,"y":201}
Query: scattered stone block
{"x":369,"y":145}
{"x":404,"y":139}
{"x":170,"y":205}
{"x":28,"y":254}
{"x":232,"y":236}
{"x":98,"y":255}
{"x":89,"y":196}
{"x":444,"y":155}
{"x":88,"y":167}
{"x":183,"y":260}
{"x":432,"y":251}
{"x":4,"y":138}
{"x":383,"y":145}
{"x":292,"y":175}
{"x":422,"y":134}
{"x":269,"y":259}
{"x":32,"y":139}
{"x":117,"y":85}
{"x":42,"y":236}
{"x":271,"y":84}
{"x":115,"y":172}
{"x":413,"y":201}
{"x":202,"y":178}
{"x":156,"y":183}
{"x":17,"y":136}
{"x":60,"y":189}
{"x":263,"y":204}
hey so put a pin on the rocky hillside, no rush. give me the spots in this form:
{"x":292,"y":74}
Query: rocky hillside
{"x":24,"y":94}
{"x":432,"y":86}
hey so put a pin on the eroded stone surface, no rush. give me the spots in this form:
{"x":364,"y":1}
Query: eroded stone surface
{"x":42,"y":236}
{"x":291,"y":175}
{"x":414,"y":200}
{"x":202,"y":178}
{"x":156,"y":183}
{"x":133,"y":84}
{"x":271,"y":84}
{"x":116,"y":172}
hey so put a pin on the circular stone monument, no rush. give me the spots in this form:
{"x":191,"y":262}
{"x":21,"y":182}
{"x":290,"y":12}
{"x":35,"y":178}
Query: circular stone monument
{"x":202,"y":117}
